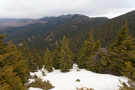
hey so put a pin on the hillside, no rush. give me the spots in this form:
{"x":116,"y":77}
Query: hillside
{"x":49,"y":31}
{"x":106,"y":31}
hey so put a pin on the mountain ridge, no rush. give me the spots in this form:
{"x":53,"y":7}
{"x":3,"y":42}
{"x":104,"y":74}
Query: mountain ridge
{"x":76,"y":27}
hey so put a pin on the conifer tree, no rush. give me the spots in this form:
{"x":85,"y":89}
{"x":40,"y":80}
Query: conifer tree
{"x":48,"y":60}
{"x":66,"y":62}
{"x":9,"y":80}
{"x":128,"y":71}
{"x":56,"y":58}
{"x":31,"y":62}
{"x":87,"y":51}
{"x":13,"y":69}
{"x":2,"y":44}
{"x":121,"y":51}
{"x":121,"y":36}
{"x":129,"y":57}
{"x":39,"y":61}
{"x":16,"y":60}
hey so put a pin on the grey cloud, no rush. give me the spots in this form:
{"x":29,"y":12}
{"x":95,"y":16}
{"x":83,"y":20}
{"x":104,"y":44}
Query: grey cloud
{"x":41,"y":8}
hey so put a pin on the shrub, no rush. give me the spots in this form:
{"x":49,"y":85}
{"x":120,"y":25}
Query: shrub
{"x":34,"y":77}
{"x":130,"y":85}
{"x":43,"y":73}
{"x":78,"y":70}
{"x":78,"y":80}
{"x":38,"y":83}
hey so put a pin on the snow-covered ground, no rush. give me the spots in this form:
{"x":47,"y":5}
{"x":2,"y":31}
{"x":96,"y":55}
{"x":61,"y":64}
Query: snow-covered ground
{"x":67,"y":81}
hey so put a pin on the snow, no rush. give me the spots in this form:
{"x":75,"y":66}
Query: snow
{"x":67,"y":81}
{"x":31,"y":88}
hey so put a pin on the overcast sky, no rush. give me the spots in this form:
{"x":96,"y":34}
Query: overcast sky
{"x":41,"y":8}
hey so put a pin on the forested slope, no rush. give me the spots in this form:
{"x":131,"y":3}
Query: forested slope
{"x":106,"y":31}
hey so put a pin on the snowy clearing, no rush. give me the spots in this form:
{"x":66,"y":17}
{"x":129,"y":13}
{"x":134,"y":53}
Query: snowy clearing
{"x":67,"y":81}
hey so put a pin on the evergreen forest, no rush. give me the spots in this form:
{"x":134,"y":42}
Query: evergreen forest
{"x":98,"y":44}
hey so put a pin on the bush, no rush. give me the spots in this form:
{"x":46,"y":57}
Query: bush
{"x":43,"y":73}
{"x":130,"y":85}
{"x":38,"y":83}
{"x":34,"y":77}
{"x":78,"y":80}
{"x":78,"y":70}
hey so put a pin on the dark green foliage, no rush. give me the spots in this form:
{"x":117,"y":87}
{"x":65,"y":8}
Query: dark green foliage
{"x":106,"y":31}
{"x":124,"y":52}
{"x":121,"y":58}
{"x":121,"y":36}
{"x":2,"y":44}
{"x":39,"y":61}
{"x":56,"y":58}
{"x":43,"y":73}
{"x":48,"y":60}
{"x":65,"y":56}
{"x":98,"y":62}
{"x":130,"y":86}
{"x":86,"y":51}
{"x":78,"y":80}
{"x":15,"y":59}
{"x":14,"y":72}
{"x":128,"y":71}
{"x":121,"y":51}
{"x":9,"y":80}
{"x":34,"y":77}
{"x":89,"y":48}
{"x":31,"y":62}
{"x":38,"y":83}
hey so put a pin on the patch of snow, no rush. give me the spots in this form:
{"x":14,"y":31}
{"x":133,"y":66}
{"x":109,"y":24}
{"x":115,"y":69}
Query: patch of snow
{"x":67,"y":80}
{"x":31,"y":88}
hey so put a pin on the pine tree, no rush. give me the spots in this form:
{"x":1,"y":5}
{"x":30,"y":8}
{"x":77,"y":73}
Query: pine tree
{"x":48,"y":60}
{"x":121,"y":51}
{"x":16,"y":60}
{"x":128,"y":71}
{"x":31,"y":62}
{"x":66,"y":62}
{"x":13,"y":70}
{"x":9,"y":80}
{"x":3,"y":50}
{"x":97,"y":46}
{"x":121,"y":36}
{"x":2,"y":44}
{"x":87,"y":51}
{"x":39,"y":61}
{"x":56,"y":58}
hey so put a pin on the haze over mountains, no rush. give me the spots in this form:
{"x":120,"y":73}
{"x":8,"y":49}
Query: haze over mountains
{"x":11,"y":22}
{"x":48,"y":31}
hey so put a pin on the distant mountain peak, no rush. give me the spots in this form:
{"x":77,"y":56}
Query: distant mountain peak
{"x":66,"y":16}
